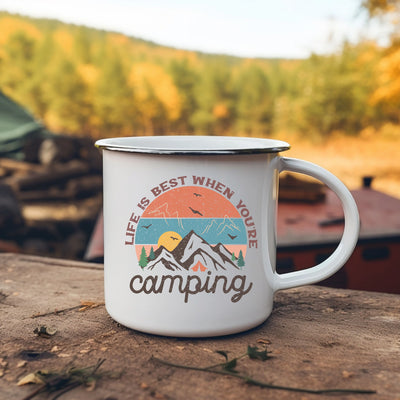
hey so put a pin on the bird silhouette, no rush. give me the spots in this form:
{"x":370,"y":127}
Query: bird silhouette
{"x":146,"y":226}
{"x":232,"y":237}
{"x":196,"y":211}
{"x":174,"y":238}
{"x":197,"y":195}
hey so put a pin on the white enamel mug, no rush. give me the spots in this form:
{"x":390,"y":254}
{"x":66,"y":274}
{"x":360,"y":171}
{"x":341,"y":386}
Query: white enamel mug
{"x":190,"y":232}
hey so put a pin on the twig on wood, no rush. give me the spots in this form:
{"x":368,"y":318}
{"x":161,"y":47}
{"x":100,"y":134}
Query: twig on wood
{"x":38,"y":315}
{"x":62,"y":382}
{"x":228,"y":369}
{"x":85,"y":305}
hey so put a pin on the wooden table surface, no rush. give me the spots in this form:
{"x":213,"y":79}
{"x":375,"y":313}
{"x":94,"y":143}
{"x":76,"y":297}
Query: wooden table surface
{"x":318,"y":338}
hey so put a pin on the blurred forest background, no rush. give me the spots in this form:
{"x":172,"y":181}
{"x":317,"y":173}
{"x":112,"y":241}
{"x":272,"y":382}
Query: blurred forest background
{"x":340,"y":110}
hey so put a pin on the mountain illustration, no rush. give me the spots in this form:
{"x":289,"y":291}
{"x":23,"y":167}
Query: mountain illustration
{"x":226,"y":224}
{"x":164,"y":258}
{"x":189,"y":252}
{"x":212,"y":225}
{"x":220,"y":248}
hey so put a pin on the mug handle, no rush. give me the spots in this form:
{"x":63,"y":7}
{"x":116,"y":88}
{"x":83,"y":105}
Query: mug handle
{"x":350,"y":234}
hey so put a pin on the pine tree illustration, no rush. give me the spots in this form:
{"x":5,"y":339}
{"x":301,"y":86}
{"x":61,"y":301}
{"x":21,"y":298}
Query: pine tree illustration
{"x":240,"y":260}
{"x":233,"y":257}
{"x":152,"y":256}
{"x":143,"y":258}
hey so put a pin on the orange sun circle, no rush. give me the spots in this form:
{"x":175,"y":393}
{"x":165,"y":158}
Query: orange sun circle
{"x":169,"y":240}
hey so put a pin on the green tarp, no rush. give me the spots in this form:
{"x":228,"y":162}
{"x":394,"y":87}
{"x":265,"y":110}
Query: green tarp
{"x":16,"y":127}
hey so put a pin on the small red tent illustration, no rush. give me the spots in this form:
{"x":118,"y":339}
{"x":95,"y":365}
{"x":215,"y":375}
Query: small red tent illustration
{"x":197,"y":266}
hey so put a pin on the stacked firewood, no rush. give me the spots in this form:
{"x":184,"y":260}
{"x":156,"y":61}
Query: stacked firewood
{"x":50,"y":200}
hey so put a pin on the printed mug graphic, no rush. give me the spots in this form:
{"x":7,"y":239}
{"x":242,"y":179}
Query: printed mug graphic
{"x":191,"y":228}
{"x":191,"y":240}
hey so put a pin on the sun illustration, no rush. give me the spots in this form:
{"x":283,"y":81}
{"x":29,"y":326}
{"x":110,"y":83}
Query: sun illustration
{"x":169,"y":240}
{"x":192,"y":228}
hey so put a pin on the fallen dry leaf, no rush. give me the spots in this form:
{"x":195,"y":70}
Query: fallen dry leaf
{"x":347,"y":374}
{"x":263,"y":341}
{"x":3,"y":366}
{"x":85,"y":305}
{"x":33,"y":377}
{"x":54,"y":349}
{"x":22,"y":364}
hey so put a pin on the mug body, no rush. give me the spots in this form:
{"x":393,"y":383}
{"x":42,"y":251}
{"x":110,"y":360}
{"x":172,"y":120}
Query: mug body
{"x":189,"y":239}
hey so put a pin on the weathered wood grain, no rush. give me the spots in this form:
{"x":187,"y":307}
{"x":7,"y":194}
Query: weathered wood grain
{"x":320,"y":338}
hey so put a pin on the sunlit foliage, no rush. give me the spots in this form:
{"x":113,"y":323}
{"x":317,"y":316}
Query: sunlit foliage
{"x":86,"y":81}
{"x":386,"y":96}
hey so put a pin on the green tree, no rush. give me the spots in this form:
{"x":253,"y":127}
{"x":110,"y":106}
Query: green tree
{"x":68,"y":108}
{"x":82,"y":45}
{"x":16,"y":65}
{"x":254,"y":105}
{"x":157,"y":99}
{"x":185,"y":79}
{"x":214,"y":98}
{"x":114,"y":105}
{"x":233,"y":258}
{"x":240,"y":260}
{"x":336,"y":93}
{"x":143,"y":261}
{"x":35,"y":98}
{"x":152,"y":256}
